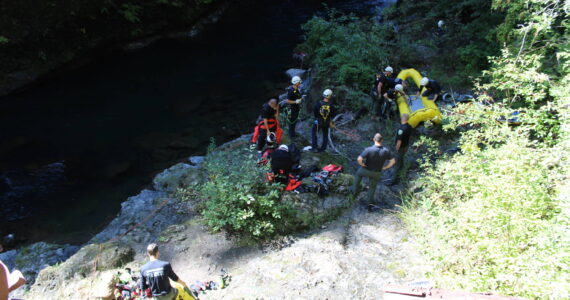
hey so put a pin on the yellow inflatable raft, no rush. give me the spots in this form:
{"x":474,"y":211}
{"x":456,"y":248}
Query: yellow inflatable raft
{"x":418,"y":108}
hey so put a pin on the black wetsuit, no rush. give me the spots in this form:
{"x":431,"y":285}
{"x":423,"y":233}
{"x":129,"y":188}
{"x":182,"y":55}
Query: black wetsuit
{"x":293,"y":94}
{"x":324,"y":112}
{"x":431,"y":89}
{"x":267,"y":112}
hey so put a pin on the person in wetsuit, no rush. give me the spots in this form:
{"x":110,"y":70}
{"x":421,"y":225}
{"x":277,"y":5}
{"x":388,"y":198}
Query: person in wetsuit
{"x":294,"y":99}
{"x":324,"y":112}
{"x":269,"y":115}
{"x":432,"y":89}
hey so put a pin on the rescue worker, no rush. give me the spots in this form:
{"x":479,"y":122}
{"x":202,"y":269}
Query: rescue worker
{"x":382,"y":83}
{"x":392,"y":95}
{"x":282,"y":164}
{"x":269,"y":116}
{"x":156,"y":274}
{"x":402,"y":142}
{"x":324,"y":112}
{"x":371,"y":162}
{"x":294,"y":99}
{"x":432,"y":89}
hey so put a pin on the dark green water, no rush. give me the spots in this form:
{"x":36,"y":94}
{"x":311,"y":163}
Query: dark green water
{"x":76,"y":146}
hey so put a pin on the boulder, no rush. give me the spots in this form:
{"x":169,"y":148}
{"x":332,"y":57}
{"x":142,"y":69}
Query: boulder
{"x":178,"y":176}
{"x":91,"y":258}
{"x":32,"y":259}
{"x":295,"y":72}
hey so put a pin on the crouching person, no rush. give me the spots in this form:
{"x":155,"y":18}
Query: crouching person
{"x":156,"y":274}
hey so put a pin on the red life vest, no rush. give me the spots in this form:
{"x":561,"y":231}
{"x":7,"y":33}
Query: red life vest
{"x":273,"y":125}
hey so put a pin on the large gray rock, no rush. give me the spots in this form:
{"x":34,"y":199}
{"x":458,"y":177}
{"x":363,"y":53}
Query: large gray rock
{"x":295,"y":72}
{"x":30,"y":260}
{"x":133,"y":211}
{"x":91,"y":258}
{"x":178,"y":176}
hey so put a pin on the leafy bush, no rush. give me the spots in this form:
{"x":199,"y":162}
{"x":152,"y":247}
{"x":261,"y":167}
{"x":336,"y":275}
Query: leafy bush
{"x":131,"y":12}
{"x":492,"y":218}
{"x":239,"y":199}
{"x":346,"y":51}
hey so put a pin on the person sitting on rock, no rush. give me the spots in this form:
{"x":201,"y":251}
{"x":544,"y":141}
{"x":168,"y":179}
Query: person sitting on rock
{"x":9,"y":282}
{"x":324,"y":112}
{"x":155,"y":275}
{"x":432,"y":89}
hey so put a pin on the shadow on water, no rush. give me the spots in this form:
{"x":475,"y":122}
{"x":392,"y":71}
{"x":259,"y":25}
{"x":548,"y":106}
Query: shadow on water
{"x":74,"y":147}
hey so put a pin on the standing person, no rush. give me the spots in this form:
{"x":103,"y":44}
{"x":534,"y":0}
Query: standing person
{"x":294,"y":99}
{"x":371,"y":162}
{"x":155,"y":275}
{"x":392,"y":95}
{"x":267,"y":125}
{"x":402,"y":142}
{"x":324,"y":112}
{"x":382,"y":83}
{"x":432,"y":89}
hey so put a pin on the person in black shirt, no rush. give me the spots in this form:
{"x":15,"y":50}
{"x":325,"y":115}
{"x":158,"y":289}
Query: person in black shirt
{"x":371,"y":162}
{"x":294,"y":99}
{"x":282,"y":164}
{"x":432,"y":89}
{"x":156,"y":274}
{"x":382,"y":83}
{"x":269,"y":116}
{"x":402,"y":142}
{"x":392,"y":95}
{"x":324,"y":112}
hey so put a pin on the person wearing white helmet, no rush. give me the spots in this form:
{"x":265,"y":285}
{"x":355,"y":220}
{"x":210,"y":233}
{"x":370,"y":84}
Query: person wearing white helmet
{"x":432,"y":89}
{"x":382,"y":83}
{"x":391,"y":96}
{"x":440,"y":29}
{"x":324,"y":112}
{"x":294,"y":99}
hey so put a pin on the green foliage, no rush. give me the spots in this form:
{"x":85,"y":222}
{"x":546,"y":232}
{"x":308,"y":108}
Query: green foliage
{"x":491,"y":218}
{"x":131,"y":12}
{"x":4,"y":40}
{"x":346,"y":51}
{"x":456,"y":55}
{"x":240,"y":200}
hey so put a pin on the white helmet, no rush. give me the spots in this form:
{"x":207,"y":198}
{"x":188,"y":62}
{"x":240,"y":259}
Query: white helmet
{"x":389,"y":69}
{"x":284,"y":147}
{"x":440,"y":23}
{"x":399,"y":88}
{"x":295,"y":80}
{"x":424,"y":81}
{"x":327,"y":93}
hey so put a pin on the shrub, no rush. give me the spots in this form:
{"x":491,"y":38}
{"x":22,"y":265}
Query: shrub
{"x":239,"y":199}
{"x":346,"y":51}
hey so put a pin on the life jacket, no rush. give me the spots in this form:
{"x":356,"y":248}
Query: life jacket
{"x":293,"y":183}
{"x":273,"y":125}
{"x":332,"y":168}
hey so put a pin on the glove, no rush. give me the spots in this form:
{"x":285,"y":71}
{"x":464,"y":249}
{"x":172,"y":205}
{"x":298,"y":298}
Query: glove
{"x":298,"y":101}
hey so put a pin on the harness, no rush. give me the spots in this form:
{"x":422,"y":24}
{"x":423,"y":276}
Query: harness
{"x":273,"y":125}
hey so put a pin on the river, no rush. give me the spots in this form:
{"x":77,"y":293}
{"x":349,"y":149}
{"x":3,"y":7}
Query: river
{"x":73,"y":147}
